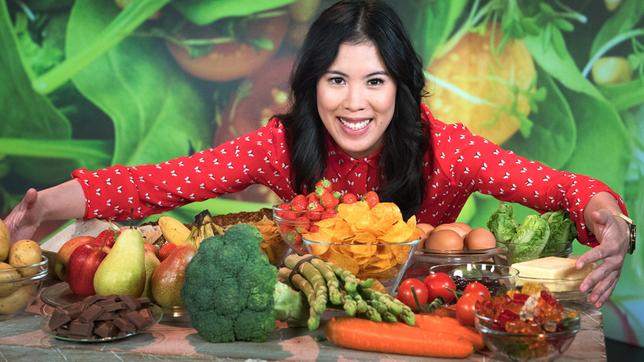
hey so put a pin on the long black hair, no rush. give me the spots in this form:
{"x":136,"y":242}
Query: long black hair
{"x":406,"y":138}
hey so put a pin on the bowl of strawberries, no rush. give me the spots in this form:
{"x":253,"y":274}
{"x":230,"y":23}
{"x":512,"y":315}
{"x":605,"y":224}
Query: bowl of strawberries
{"x":299,"y":215}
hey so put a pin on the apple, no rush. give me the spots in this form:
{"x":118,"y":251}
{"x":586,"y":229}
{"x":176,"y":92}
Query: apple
{"x":62,"y":257}
{"x":82,"y":266}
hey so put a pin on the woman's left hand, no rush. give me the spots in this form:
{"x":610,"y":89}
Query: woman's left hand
{"x":612,"y":232}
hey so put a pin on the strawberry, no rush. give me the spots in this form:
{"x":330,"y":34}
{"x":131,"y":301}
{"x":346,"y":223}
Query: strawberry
{"x":328,"y":201}
{"x":328,"y":213}
{"x":324,"y":184}
{"x":371,"y":198}
{"x":312,"y":197}
{"x":302,"y":226}
{"x":349,"y":198}
{"x":289,"y":215}
{"x":299,"y":203}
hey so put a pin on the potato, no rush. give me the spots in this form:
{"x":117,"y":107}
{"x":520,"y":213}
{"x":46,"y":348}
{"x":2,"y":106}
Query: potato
{"x":4,"y":241}
{"x":7,"y":275}
{"x":24,"y":253}
{"x":17,"y":300}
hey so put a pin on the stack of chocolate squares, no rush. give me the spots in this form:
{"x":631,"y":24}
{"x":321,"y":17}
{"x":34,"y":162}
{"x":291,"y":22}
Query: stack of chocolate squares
{"x":102,"y":316}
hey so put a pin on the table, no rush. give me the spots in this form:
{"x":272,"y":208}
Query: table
{"x":22,"y":338}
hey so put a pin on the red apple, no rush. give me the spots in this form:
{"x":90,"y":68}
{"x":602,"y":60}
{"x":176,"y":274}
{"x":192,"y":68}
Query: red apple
{"x":62,"y":257}
{"x":81,"y":268}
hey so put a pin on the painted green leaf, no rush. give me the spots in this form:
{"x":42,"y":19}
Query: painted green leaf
{"x":553,"y":134}
{"x":157,"y":110}
{"x":628,"y":14}
{"x":624,"y":95}
{"x":437,"y":19}
{"x":552,"y":55}
{"x":26,"y":114}
{"x":203,"y":12}
{"x":603,"y":148}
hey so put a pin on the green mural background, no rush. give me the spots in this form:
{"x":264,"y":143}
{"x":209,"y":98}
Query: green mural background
{"x":95,"y":83}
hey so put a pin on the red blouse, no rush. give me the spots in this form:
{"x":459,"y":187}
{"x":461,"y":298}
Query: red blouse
{"x":457,"y":164}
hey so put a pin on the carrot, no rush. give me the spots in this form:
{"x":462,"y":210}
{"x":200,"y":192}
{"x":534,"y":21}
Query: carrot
{"x":430,"y":322}
{"x":366,"y":335}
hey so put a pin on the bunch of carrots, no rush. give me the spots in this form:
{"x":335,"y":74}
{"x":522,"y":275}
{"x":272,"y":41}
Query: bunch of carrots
{"x":432,"y":336}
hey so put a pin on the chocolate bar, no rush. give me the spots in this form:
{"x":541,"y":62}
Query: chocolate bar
{"x":130,"y":303}
{"x":123,"y":325}
{"x":102,"y":317}
{"x":58,"y":319}
{"x":106,"y":329}
{"x":91,"y":313}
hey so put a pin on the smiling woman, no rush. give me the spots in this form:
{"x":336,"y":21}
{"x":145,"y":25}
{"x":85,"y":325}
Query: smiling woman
{"x":355,"y":117}
{"x":356,"y":100}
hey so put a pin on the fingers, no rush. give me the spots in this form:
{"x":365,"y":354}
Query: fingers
{"x":591,"y":256}
{"x":604,"y":297}
{"x":603,"y":285}
{"x":30,"y":198}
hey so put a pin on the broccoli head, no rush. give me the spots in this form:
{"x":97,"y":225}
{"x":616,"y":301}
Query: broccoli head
{"x":230,"y":288}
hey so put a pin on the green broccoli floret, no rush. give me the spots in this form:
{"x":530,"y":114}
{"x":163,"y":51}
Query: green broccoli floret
{"x":231,"y":291}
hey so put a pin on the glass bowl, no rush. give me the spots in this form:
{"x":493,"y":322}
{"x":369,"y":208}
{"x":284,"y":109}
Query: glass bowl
{"x":382,"y":261}
{"x":527,"y":347}
{"x":19,"y":286}
{"x":424,"y":259}
{"x":292,"y":224}
{"x":497,"y":278}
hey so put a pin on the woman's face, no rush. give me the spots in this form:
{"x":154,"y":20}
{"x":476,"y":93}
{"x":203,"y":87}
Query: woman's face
{"x":356,"y":99}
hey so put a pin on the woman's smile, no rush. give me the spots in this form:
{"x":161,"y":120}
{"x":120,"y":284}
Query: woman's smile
{"x":355,"y":126}
{"x":356,"y":98}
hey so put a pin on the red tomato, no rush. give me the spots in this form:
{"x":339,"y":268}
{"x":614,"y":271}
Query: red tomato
{"x":406,"y":295}
{"x":440,"y":285}
{"x":466,"y":307}
{"x":477,"y":288}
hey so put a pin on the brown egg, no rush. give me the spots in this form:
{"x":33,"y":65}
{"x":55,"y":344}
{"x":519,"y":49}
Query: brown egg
{"x":425,"y":230}
{"x":479,"y":239}
{"x":445,"y":239}
{"x":454,"y":227}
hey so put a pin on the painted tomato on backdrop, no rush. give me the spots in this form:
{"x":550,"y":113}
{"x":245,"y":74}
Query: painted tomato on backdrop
{"x":233,"y":59}
{"x":256,"y":100}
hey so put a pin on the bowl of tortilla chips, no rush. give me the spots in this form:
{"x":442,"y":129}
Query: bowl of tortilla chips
{"x":369,"y":242}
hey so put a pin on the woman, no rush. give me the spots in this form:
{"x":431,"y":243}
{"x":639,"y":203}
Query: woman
{"x":357,"y":119}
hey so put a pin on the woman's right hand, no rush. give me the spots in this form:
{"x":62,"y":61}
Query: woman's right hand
{"x":25,"y":218}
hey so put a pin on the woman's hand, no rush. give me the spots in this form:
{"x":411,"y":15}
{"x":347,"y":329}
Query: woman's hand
{"x":612,"y":232}
{"x":25,"y":218}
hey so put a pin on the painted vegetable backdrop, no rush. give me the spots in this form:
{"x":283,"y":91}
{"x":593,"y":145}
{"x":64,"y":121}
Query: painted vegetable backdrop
{"x":91,"y":83}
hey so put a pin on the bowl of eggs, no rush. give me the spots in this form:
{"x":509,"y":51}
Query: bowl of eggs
{"x":455,"y":243}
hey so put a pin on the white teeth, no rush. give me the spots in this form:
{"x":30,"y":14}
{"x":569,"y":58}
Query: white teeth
{"x":355,"y":126}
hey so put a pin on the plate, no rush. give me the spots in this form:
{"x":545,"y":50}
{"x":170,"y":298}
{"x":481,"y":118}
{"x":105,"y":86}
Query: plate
{"x":59,"y":295}
{"x":157,"y":314}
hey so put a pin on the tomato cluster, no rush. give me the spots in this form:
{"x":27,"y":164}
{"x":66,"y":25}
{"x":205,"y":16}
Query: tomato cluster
{"x":418,"y":294}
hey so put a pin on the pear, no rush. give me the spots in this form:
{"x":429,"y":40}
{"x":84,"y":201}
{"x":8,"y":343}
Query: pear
{"x":167,"y":279}
{"x":151,"y":263}
{"x":122,"y":272}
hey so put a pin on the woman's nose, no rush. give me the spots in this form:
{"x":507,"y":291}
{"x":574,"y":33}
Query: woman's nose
{"x":355,"y":99}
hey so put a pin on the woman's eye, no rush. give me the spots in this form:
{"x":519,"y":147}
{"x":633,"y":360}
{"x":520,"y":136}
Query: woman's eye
{"x":376,"y":81}
{"x":336,"y":81}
